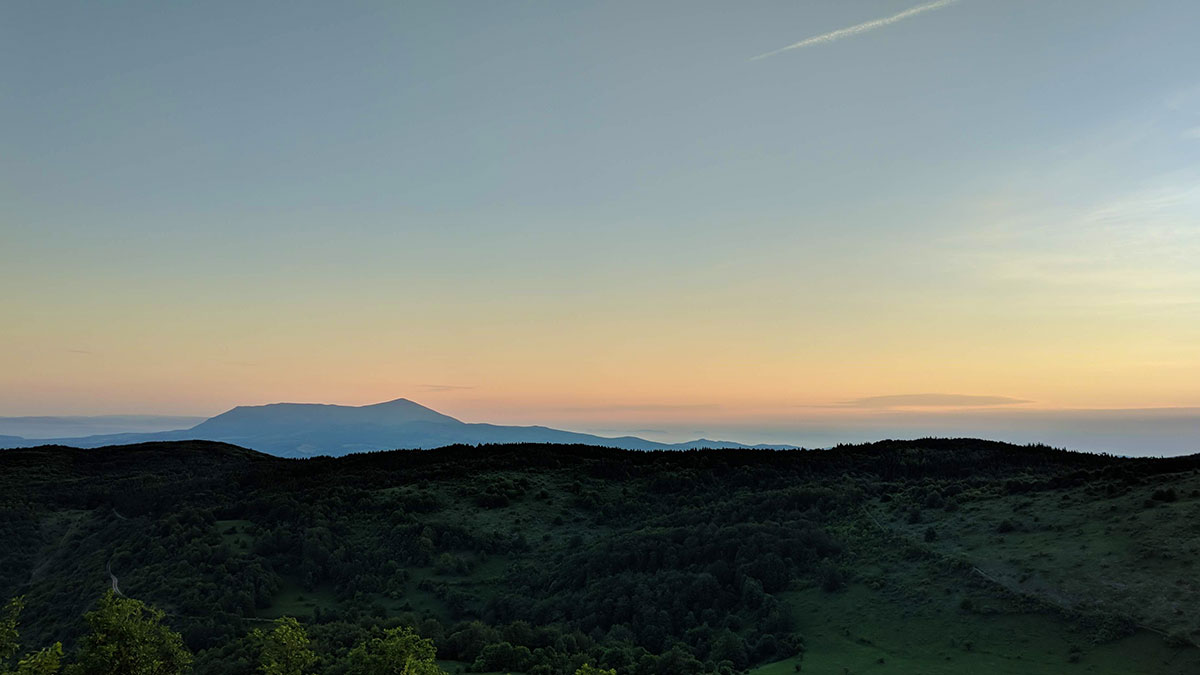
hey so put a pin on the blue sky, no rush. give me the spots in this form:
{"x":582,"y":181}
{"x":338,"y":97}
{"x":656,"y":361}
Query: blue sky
{"x":539,"y":206}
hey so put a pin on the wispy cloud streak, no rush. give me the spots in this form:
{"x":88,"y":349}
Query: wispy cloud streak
{"x":931,"y":401}
{"x":858,"y":29}
{"x":439,"y":388}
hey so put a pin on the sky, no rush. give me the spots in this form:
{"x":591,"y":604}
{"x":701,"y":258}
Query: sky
{"x":757,"y":218}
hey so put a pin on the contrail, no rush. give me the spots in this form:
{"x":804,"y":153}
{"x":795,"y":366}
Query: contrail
{"x":860,"y":28}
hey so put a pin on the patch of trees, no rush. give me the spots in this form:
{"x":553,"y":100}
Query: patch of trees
{"x":127,"y":637}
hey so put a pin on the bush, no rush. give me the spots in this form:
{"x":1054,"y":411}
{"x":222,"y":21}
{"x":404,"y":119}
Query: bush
{"x":1178,"y":640}
{"x":1167,"y":495}
{"x":832,"y":578}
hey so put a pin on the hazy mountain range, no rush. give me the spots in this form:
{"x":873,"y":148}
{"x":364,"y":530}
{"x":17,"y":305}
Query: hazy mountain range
{"x":62,"y":426}
{"x":307,"y":429}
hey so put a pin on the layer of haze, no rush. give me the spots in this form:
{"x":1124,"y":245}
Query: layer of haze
{"x":603,"y":215}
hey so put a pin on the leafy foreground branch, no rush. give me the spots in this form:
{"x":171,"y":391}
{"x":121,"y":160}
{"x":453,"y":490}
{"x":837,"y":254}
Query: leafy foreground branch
{"x":44,"y":662}
{"x":129,"y":638}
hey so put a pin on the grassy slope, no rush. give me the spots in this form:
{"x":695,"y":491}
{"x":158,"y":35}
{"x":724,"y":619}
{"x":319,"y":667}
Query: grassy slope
{"x":1083,"y":549}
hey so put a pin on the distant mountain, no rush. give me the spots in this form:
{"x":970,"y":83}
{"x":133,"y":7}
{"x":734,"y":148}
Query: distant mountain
{"x":76,"y":426}
{"x":308,"y":429}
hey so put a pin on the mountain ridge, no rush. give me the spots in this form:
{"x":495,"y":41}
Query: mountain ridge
{"x":311,"y":429}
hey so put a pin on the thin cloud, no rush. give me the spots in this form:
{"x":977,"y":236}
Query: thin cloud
{"x":642,"y":407}
{"x":435,"y":388}
{"x":931,"y":401}
{"x":858,"y":29}
{"x":1135,"y":250}
{"x":626,"y":432}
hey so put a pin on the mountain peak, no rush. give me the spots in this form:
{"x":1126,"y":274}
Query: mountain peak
{"x":299,"y":417}
{"x":395,"y":403}
{"x":407,"y":408}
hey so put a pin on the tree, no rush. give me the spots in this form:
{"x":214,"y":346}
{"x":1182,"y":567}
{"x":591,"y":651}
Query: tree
{"x":729,"y":647}
{"x":8,"y":629}
{"x":589,"y":669}
{"x":285,"y":649}
{"x":503,"y":656}
{"x":399,"y":652}
{"x":44,"y":662}
{"x":128,"y":638}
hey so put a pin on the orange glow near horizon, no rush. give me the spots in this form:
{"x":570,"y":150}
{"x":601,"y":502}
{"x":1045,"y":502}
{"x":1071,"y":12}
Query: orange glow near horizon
{"x":546,"y":369}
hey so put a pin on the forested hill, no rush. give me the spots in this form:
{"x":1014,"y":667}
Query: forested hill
{"x":950,"y":555}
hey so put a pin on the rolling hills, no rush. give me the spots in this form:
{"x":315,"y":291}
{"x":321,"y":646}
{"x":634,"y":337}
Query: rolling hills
{"x":931,"y":556}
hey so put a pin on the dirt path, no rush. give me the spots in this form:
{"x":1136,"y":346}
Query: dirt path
{"x":115,"y":585}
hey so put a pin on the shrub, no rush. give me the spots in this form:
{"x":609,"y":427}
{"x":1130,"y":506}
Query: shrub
{"x":832,"y":578}
{"x":1167,"y":495}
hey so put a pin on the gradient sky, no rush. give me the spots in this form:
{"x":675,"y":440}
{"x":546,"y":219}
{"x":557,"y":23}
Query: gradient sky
{"x":593,"y":214}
